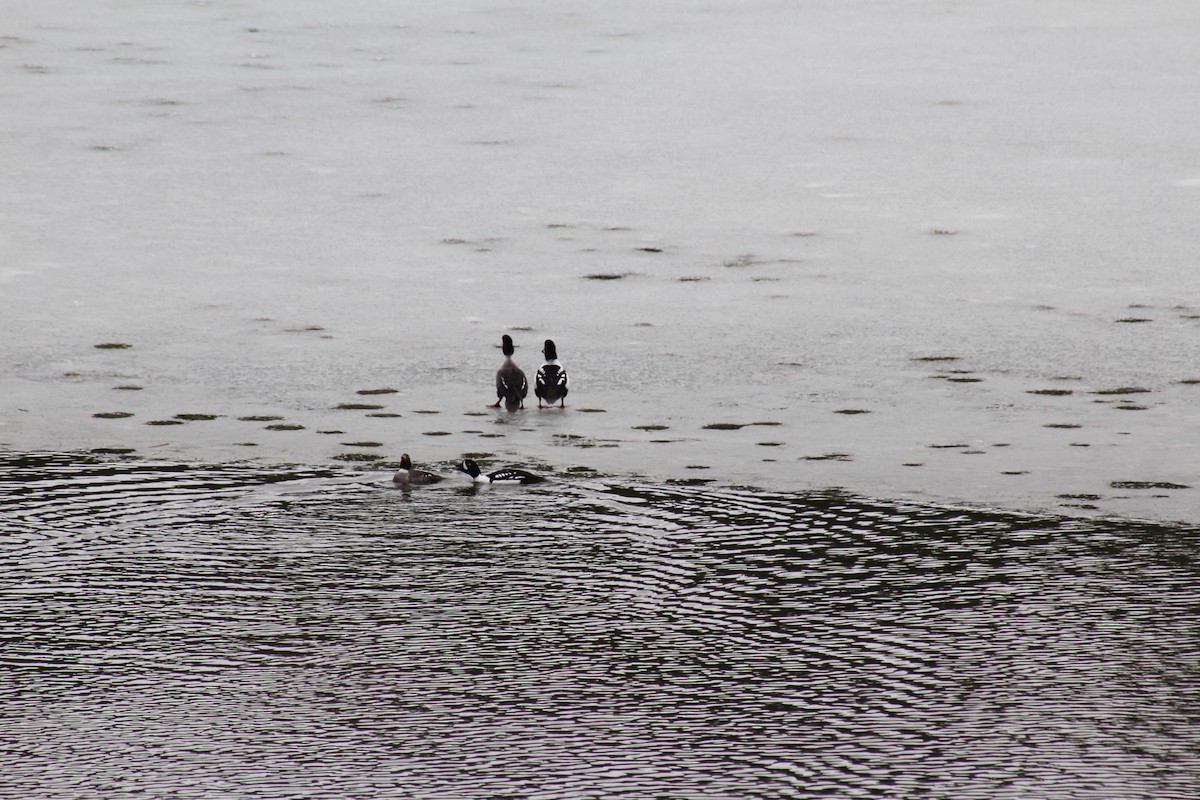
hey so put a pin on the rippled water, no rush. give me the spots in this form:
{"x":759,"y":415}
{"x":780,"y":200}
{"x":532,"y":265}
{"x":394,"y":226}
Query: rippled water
{"x":179,"y":630}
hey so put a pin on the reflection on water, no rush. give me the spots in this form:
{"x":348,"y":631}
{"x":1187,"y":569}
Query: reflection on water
{"x":191,"y":631}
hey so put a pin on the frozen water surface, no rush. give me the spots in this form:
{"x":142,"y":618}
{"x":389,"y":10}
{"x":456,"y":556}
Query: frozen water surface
{"x":803,"y":202}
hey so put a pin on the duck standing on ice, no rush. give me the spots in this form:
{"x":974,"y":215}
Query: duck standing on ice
{"x":511,"y":386}
{"x":551,"y":382}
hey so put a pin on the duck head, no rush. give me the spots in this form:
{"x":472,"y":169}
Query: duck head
{"x":468,"y":466}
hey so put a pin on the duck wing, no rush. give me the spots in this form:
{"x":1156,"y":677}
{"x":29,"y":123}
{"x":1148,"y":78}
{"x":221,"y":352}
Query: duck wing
{"x":511,"y":475}
{"x":510,"y":380}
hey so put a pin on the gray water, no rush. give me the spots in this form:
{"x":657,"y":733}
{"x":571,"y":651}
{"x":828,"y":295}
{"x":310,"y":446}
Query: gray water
{"x":938,"y":253}
{"x":208,"y":631}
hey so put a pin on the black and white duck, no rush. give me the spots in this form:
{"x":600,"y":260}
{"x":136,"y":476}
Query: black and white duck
{"x":509,"y":475}
{"x":551,"y":382}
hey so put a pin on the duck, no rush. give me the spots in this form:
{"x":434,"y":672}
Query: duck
{"x":407,"y":476}
{"x":551,"y":382}
{"x":509,"y":475}
{"x":511,"y":386}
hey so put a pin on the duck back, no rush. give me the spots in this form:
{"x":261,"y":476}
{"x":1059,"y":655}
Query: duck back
{"x":511,"y":385}
{"x":551,"y":385}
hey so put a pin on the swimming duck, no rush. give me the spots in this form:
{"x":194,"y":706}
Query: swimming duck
{"x":407,"y":476}
{"x":551,"y":382}
{"x":511,"y":386}
{"x":506,"y":475}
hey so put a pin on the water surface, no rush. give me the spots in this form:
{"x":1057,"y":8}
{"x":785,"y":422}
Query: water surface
{"x":201,"y":631}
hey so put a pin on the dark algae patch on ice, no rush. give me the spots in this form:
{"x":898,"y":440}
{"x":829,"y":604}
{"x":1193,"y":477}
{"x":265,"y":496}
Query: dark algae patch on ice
{"x":1148,"y":485}
{"x":829,"y":457}
{"x":607,"y":276}
{"x":113,"y":346}
{"x":112,"y":414}
{"x":1119,"y":390}
{"x":573,"y":440}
